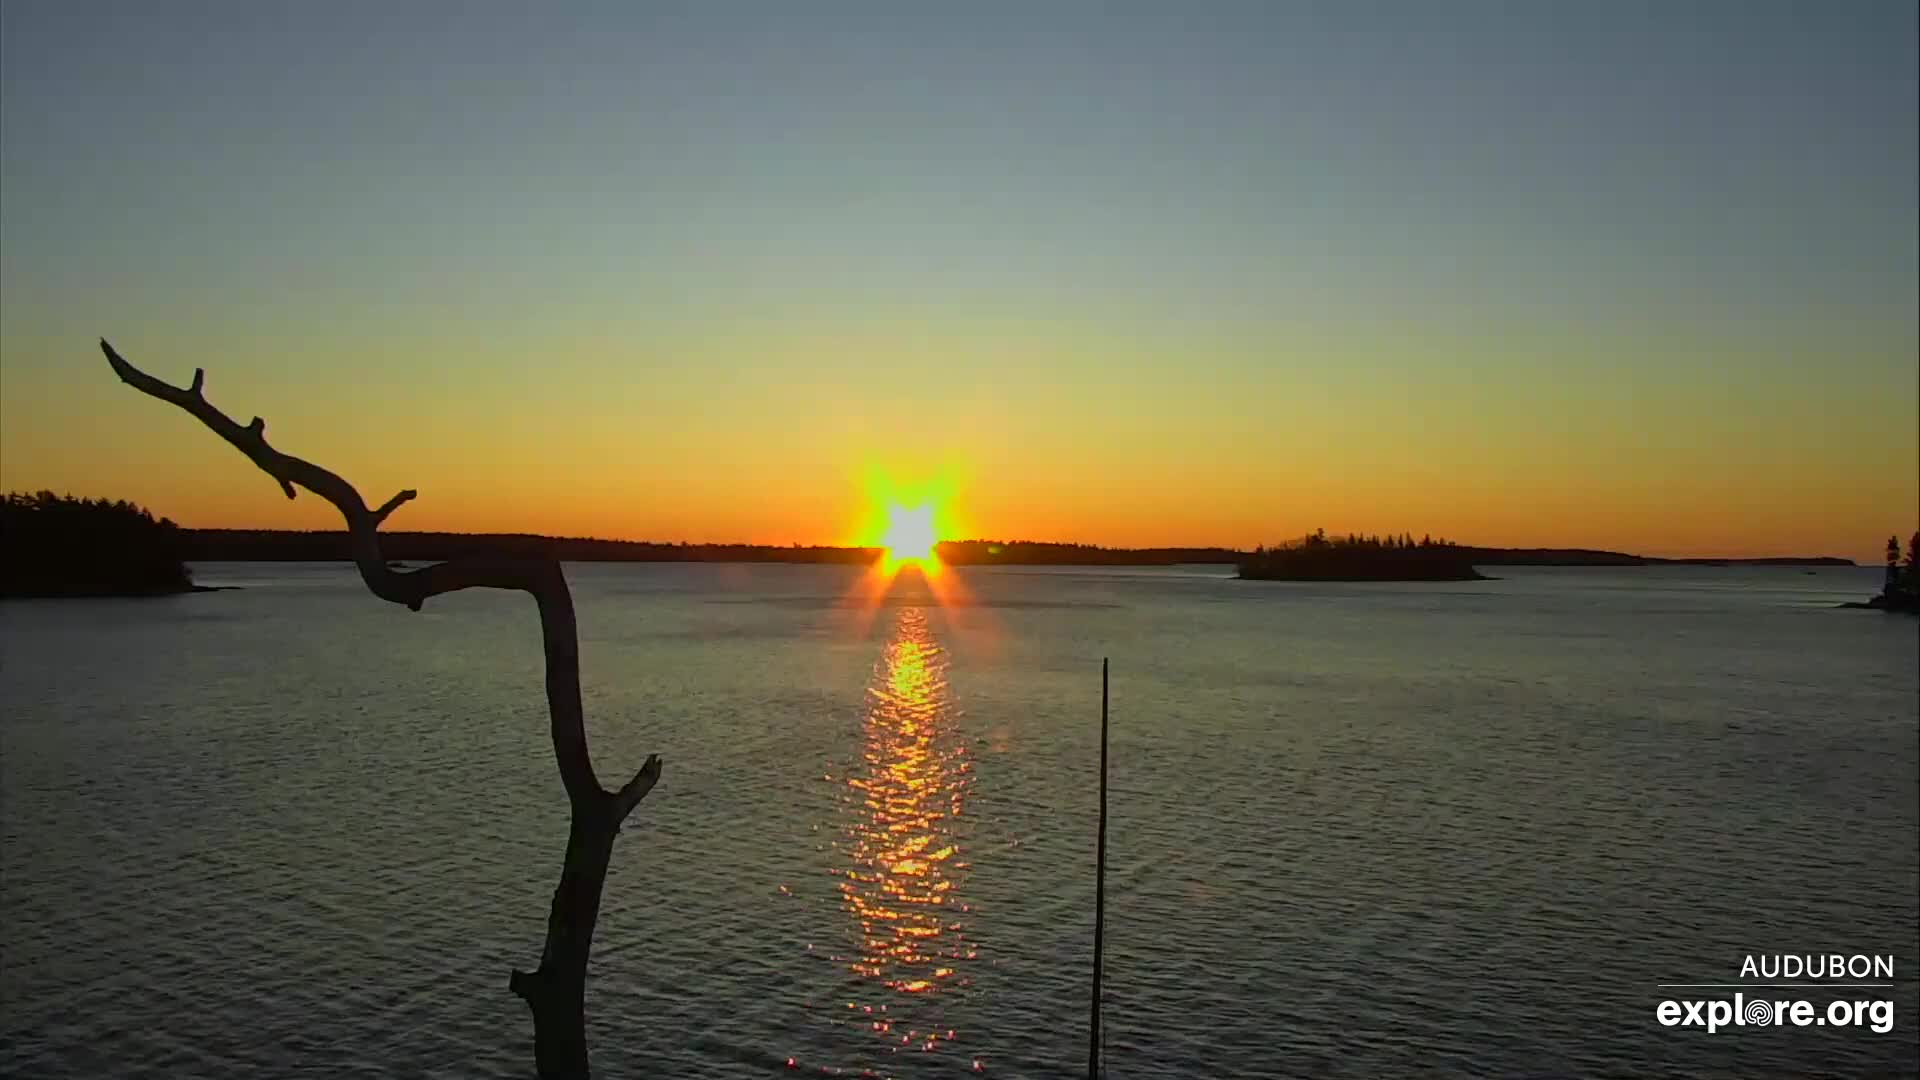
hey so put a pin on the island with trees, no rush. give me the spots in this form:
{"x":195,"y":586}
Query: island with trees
{"x":1901,"y":589}
{"x":58,"y":545}
{"x":1318,"y":557}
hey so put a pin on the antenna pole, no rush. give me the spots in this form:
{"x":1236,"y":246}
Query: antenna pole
{"x":1099,"y":886}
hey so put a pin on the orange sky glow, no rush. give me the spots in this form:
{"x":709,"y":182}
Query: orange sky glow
{"x":1579,"y":276}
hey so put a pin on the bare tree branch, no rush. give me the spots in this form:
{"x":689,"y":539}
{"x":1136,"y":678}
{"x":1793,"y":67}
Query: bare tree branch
{"x":636,"y":789}
{"x":556,"y":992}
{"x":541,"y":579}
{"x":393,"y":504}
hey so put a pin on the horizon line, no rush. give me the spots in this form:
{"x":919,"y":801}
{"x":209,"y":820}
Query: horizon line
{"x":1119,"y":548}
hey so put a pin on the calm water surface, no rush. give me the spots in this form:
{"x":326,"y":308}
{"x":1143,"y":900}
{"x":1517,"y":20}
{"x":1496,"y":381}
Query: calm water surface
{"x":1356,"y":830}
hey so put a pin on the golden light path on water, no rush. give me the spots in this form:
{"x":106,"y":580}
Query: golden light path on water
{"x":902,"y":865}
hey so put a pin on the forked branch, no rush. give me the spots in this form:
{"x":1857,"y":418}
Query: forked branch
{"x":540,"y":578}
{"x":556,"y":992}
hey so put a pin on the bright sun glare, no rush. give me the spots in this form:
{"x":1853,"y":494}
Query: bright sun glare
{"x":909,"y":534}
{"x":907,"y":521}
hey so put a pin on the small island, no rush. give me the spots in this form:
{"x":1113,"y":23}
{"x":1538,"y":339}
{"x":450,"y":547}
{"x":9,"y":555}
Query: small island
{"x":57,"y":545}
{"x":1361,"y":558}
{"x":1901,"y":590}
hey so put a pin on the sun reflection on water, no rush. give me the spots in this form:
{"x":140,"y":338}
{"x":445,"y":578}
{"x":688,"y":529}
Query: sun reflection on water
{"x":901,"y":852}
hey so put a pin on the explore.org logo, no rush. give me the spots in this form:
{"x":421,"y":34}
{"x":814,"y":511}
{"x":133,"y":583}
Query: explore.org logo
{"x":1758,"y":1003}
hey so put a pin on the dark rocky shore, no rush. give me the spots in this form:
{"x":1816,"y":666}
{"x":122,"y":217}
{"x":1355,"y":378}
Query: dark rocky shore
{"x":1903,"y":603}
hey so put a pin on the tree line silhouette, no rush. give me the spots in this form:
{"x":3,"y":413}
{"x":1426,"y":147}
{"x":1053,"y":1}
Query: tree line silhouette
{"x":1037,"y":553}
{"x":139,"y":557}
{"x":280,"y":545}
{"x":1319,"y":539}
{"x":1901,"y":590}
{"x":59,"y":545}
{"x":1356,"y":557}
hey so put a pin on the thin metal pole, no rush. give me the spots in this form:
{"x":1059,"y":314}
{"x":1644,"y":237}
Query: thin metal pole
{"x":1099,"y":886}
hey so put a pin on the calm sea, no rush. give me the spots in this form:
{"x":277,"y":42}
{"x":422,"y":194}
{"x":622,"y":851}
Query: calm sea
{"x":1356,"y":830}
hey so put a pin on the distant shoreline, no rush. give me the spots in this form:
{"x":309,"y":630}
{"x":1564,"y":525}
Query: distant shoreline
{"x":284,"y":545}
{"x":101,"y":592}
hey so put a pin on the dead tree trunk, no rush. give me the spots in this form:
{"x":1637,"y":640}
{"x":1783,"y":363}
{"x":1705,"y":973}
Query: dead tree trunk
{"x":556,"y":991}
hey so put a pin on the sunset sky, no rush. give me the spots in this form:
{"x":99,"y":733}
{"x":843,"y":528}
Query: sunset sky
{"x":1628,"y":275}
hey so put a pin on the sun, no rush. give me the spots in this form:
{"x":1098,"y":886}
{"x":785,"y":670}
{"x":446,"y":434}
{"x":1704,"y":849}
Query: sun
{"x":907,"y":521}
{"x":909,"y":535}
